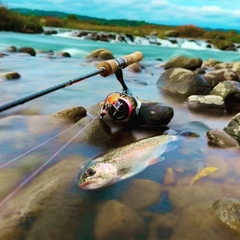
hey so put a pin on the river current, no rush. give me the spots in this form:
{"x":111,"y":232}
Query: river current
{"x":146,"y":206}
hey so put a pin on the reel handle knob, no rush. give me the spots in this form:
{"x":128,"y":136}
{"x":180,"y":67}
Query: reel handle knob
{"x":111,"y":66}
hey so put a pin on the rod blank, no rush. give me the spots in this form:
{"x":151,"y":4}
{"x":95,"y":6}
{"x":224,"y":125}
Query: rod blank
{"x":32,"y":96}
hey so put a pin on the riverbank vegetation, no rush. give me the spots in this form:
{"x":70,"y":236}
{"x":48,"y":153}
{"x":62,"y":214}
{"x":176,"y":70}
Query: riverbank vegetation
{"x":33,"y":21}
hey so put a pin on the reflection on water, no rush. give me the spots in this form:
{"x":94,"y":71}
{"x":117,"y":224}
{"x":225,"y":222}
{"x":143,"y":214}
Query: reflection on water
{"x":158,"y":203}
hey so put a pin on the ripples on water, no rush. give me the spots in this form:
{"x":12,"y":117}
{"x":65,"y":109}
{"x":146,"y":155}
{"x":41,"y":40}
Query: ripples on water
{"x":148,"y":204}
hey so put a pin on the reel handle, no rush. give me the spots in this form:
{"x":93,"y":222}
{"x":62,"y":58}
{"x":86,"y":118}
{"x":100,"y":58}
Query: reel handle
{"x":111,"y":66}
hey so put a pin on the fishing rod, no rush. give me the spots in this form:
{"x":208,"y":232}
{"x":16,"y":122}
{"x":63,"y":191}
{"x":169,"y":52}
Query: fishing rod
{"x":104,"y":69}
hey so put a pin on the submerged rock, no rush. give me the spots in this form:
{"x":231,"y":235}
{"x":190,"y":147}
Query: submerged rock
{"x":196,"y":222}
{"x":123,"y":223}
{"x":183,"y":62}
{"x":201,"y":102}
{"x":227,"y":210}
{"x":219,"y":138}
{"x":169,"y":178}
{"x":183,"y":82}
{"x":142,"y":193}
{"x":154,"y":114}
{"x":233,"y":127}
{"x":221,"y":75}
{"x":28,"y":50}
{"x":73,"y":114}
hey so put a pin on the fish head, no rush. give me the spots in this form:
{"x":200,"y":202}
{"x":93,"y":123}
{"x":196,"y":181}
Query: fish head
{"x":96,"y":175}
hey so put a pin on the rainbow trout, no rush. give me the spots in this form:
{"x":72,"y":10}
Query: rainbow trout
{"x":122,"y":162}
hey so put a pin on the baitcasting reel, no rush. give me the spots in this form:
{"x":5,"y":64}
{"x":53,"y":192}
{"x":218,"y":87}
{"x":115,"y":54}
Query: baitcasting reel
{"x":120,"y":106}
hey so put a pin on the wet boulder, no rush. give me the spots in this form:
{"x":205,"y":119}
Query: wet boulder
{"x":233,"y":127}
{"x":73,"y":114}
{"x":28,"y":50}
{"x":183,"y":62}
{"x":154,"y":114}
{"x":226,"y":89}
{"x":12,"y":76}
{"x":203,"y":102}
{"x":100,"y":54}
{"x":219,"y":138}
{"x":183,"y":82}
{"x":83,"y":34}
{"x":135,"y":67}
{"x":124,"y":223}
{"x":12,"y":49}
{"x":64,"y":54}
{"x":221,"y":75}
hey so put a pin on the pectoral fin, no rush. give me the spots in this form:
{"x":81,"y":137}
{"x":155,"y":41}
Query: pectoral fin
{"x":155,"y":160}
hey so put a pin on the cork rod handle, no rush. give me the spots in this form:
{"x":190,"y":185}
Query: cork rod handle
{"x":111,"y":66}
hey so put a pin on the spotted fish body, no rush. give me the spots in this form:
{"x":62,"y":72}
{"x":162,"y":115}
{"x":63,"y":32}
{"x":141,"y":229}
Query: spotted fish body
{"x":122,"y":162}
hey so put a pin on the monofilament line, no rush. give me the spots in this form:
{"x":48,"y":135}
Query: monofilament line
{"x":16,"y":190}
{"x":41,"y":144}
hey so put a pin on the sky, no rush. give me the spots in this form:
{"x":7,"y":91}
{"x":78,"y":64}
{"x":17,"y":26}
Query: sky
{"x":203,"y":13}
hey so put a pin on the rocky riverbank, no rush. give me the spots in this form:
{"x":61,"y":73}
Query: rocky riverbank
{"x":154,"y":204}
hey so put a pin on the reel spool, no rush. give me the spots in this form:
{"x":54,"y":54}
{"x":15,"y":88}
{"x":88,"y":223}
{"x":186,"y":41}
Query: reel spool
{"x":120,"y":106}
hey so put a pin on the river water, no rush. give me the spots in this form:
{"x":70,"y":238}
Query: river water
{"x":45,"y":199}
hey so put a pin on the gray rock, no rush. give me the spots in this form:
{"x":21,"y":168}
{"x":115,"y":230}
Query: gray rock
{"x":28,"y":50}
{"x":198,"y":102}
{"x":184,"y":62}
{"x":219,"y":138}
{"x":154,"y":114}
{"x":183,"y":82}
{"x":221,"y":75}
{"x":233,"y":127}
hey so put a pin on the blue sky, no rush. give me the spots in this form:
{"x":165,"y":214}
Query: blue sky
{"x":203,"y":13}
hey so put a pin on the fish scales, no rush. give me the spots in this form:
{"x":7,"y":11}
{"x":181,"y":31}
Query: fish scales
{"x":122,"y":162}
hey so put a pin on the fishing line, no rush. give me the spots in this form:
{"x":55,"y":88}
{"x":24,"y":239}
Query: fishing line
{"x":36,"y":147}
{"x":15,"y":191}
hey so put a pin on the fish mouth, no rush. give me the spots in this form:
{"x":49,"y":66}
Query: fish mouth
{"x":88,"y":185}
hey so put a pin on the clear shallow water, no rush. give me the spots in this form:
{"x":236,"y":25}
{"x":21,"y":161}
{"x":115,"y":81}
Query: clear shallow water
{"x":152,"y":208}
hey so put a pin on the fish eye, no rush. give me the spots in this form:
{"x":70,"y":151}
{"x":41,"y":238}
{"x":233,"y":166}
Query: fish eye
{"x":90,"y":172}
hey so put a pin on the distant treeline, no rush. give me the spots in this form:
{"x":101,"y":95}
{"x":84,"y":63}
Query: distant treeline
{"x":26,"y":20}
